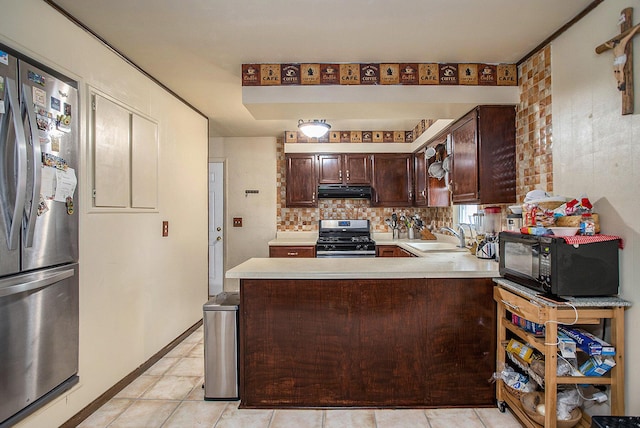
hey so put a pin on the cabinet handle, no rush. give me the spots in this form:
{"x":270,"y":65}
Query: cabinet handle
{"x":313,"y":197}
{"x":347,"y":175}
{"x":293,"y":254}
{"x":511,"y":305}
{"x":340,"y":174}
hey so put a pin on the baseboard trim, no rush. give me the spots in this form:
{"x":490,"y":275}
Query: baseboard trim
{"x":83,"y":414}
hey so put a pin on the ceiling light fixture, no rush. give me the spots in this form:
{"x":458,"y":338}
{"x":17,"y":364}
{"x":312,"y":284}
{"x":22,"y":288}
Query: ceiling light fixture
{"x":314,"y":128}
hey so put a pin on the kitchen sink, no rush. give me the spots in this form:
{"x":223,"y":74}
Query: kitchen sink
{"x":435,"y":246}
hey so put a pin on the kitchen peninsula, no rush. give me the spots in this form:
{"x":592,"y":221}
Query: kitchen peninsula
{"x":367,"y":332}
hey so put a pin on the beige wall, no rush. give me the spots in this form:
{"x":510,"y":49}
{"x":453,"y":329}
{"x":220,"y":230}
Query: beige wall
{"x":250,"y":164}
{"x":138,"y":291}
{"x":596,"y":151}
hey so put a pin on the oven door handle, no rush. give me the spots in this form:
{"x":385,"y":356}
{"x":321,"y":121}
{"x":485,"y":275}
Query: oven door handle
{"x":354,"y":253}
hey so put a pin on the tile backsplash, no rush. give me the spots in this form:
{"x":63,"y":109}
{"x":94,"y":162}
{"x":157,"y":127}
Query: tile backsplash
{"x":534,"y":160}
{"x":306,"y":219}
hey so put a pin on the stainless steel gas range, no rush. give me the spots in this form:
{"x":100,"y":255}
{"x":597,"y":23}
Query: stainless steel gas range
{"x":345,"y":238}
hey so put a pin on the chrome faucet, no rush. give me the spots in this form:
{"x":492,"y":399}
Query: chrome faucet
{"x":459,"y":234}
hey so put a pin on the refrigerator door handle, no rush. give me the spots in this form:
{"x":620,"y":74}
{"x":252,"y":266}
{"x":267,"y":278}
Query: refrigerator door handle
{"x":31,"y":205}
{"x":37,"y":283}
{"x":12,"y":110}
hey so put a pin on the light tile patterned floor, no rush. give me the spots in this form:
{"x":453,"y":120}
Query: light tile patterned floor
{"x":170,"y":395}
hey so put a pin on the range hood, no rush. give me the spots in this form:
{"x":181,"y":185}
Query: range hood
{"x":338,"y":191}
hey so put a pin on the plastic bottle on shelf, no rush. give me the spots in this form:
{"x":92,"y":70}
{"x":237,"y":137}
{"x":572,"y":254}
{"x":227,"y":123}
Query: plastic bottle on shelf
{"x":587,"y":225}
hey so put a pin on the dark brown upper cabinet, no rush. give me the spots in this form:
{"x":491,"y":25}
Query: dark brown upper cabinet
{"x":484,"y":156}
{"x":392,"y":180}
{"x":420,"y":178}
{"x":347,"y":169}
{"x":301,"y":180}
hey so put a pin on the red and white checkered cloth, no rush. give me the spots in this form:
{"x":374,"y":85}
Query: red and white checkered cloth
{"x":586,"y":239}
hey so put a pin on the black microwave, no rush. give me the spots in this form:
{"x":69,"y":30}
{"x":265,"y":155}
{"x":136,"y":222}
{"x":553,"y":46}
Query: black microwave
{"x":552,"y":266}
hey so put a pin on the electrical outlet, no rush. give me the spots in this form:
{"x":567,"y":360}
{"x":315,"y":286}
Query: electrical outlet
{"x":165,"y":228}
{"x":237,"y":222}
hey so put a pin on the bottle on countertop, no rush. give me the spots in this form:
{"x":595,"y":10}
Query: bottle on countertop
{"x":587,"y":225}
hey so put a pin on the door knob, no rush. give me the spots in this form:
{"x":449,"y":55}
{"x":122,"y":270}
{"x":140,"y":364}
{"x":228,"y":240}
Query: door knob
{"x":219,"y":238}
{"x":218,"y":228}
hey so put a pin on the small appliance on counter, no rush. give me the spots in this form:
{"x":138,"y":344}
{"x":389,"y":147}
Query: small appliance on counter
{"x":492,"y":221}
{"x":487,"y":225}
{"x":514,"y":222}
{"x":486,"y":248}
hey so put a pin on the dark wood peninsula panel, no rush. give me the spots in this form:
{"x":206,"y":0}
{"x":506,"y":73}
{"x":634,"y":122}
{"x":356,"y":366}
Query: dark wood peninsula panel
{"x":372,"y":343}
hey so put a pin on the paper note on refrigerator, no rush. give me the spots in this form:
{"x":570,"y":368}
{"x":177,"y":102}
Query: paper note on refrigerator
{"x":65,"y":184}
{"x":48,"y":182}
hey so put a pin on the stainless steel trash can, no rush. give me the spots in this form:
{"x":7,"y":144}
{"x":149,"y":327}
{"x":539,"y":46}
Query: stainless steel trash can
{"x":221,"y":372}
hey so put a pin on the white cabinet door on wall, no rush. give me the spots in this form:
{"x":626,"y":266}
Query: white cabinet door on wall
{"x":112,"y":125}
{"x":144,"y":163}
{"x":125,"y":157}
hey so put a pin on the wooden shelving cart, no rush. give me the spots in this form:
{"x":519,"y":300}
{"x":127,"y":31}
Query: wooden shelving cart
{"x":528,"y":304}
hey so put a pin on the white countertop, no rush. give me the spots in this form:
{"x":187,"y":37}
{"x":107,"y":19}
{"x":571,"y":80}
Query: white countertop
{"x":429,"y":265}
{"x":286,"y":238}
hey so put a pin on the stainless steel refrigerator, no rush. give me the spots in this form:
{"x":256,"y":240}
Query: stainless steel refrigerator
{"x":38,"y":235}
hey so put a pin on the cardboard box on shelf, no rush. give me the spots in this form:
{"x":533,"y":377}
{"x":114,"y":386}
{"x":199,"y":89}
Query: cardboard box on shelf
{"x":566,"y":346}
{"x":597,"y":366}
{"x":530,"y":326}
{"x":589,"y":343}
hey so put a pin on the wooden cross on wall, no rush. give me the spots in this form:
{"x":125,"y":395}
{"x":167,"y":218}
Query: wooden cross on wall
{"x":622,"y":46}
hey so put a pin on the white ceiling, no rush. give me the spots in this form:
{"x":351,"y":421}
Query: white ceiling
{"x":196,"y":47}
